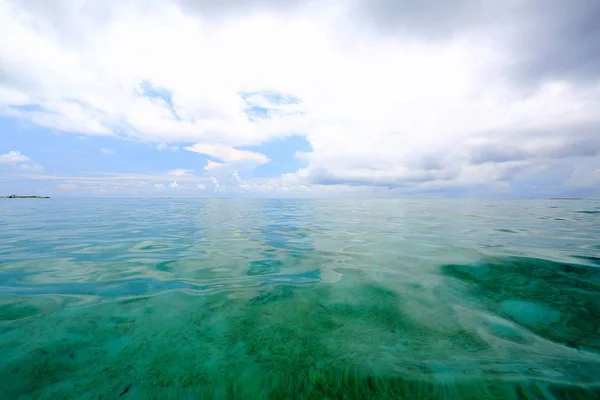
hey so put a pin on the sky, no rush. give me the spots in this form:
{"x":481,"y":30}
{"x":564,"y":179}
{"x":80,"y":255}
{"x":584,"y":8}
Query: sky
{"x":328,"y":98}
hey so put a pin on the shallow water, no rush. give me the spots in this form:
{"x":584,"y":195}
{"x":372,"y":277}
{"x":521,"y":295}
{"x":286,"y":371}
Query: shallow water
{"x":428,"y":299}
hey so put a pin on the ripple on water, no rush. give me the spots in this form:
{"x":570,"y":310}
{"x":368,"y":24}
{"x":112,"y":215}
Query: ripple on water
{"x":322,"y":299}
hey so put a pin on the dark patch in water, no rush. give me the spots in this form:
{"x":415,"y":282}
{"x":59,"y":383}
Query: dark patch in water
{"x":265,"y":267}
{"x":590,"y":212}
{"x":166,"y":266}
{"x":591,"y":259}
{"x":276,"y":294}
{"x":125,"y":390}
{"x":15,"y":311}
{"x":153,"y":247}
{"x":558,"y":301}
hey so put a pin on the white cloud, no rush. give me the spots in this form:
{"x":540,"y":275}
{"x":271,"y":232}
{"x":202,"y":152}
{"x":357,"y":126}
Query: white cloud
{"x":165,"y":147}
{"x":181,"y":172}
{"x":228,"y":183}
{"x":380,"y":110}
{"x":16,"y":159}
{"x":31,"y":167}
{"x":228,"y":154}
{"x":211,"y":165}
{"x":13,"y":157}
{"x":107,"y":151}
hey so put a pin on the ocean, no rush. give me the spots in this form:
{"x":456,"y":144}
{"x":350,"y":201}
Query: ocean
{"x":276,"y":299}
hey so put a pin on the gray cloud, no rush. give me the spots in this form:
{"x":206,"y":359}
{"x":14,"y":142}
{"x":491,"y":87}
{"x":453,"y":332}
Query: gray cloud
{"x":428,"y":162}
{"x":430,"y":18}
{"x":581,"y":140}
{"x":496,"y":153}
{"x":509,"y":173}
{"x":543,"y":180}
{"x":549,"y":39}
{"x":583,"y":148}
{"x":560,"y":39}
{"x":216,"y":9}
{"x":322,"y":176}
{"x":562,"y":147}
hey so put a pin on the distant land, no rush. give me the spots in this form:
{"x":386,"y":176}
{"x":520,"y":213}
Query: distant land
{"x":566,"y":198}
{"x":16,"y":196}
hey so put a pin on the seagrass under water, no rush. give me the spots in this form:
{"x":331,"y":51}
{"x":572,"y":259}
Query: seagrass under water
{"x":168,"y":298}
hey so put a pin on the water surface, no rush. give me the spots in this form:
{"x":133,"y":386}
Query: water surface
{"x":413,"y":299}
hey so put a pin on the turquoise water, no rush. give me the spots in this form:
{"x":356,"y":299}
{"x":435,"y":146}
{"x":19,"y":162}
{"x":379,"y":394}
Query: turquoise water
{"x":169,"y":298}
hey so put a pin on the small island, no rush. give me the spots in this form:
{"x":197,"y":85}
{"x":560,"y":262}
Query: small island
{"x":15,"y":196}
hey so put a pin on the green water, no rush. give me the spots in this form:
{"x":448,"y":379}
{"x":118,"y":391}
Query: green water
{"x":444,"y":299}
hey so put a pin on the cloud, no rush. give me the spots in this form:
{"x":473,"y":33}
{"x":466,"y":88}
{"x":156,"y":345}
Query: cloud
{"x":454,"y":147}
{"x":228,"y":8}
{"x":557,"y":41}
{"x":210,"y":165}
{"x":228,"y":154}
{"x":547,"y":39}
{"x":174,"y":185}
{"x":66,"y":186}
{"x":165,"y":147}
{"x":107,"y":151}
{"x":16,"y":159}
{"x":408,"y":95}
{"x":77,"y":86}
{"x":31,"y":167}
{"x":200,"y":186}
{"x":227,"y":172}
{"x":13,"y":157}
{"x":538,"y":146}
{"x":123,"y":183}
{"x":159,"y":185}
{"x":180,"y":172}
